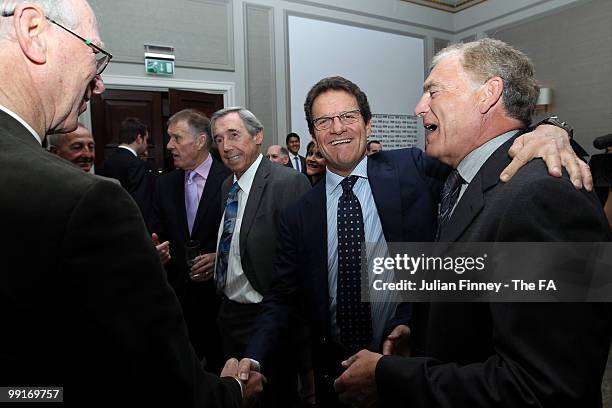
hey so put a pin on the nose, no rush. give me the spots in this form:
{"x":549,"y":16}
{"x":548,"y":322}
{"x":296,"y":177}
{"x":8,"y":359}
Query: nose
{"x":422,"y":106}
{"x":170,"y":144}
{"x":97,"y":85}
{"x":337,"y":126}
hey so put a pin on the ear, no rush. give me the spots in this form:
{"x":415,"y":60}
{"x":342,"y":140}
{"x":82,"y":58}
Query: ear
{"x":259,"y":138}
{"x":30,"y":24}
{"x":201,"y":140}
{"x":490,"y":94}
{"x":369,"y":127}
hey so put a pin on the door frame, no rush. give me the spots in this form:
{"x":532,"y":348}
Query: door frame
{"x":161,"y":84}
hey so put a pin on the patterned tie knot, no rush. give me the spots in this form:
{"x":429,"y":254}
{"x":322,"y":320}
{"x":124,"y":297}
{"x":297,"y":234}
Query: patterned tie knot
{"x":231,"y":196}
{"x":348,"y":183}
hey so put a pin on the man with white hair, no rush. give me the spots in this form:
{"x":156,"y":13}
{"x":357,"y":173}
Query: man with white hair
{"x":87,"y":301}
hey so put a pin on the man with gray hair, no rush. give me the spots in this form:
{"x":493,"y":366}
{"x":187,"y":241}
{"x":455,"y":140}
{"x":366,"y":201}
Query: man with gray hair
{"x":253,"y":198}
{"x":187,"y":207}
{"x":278,"y":154}
{"x":78,"y":147}
{"x":478,"y":98}
{"x":88,"y":304}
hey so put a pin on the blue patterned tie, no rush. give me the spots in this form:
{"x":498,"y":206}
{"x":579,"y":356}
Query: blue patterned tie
{"x":450,"y":193}
{"x":229,"y":221}
{"x":354,"y":317}
{"x":297,"y":163}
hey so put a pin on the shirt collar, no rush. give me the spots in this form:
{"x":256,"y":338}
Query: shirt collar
{"x":471,"y":164}
{"x":333,"y":180}
{"x":23,"y":122}
{"x":204,"y":168}
{"x":246,"y":180}
{"x":129,"y":149}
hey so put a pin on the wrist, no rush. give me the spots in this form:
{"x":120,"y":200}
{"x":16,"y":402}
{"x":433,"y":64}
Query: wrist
{"x":555,"y":121}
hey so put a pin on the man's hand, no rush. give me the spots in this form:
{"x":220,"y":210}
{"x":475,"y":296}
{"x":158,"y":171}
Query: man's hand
{"x":248,"y":373}
{"x":203,"y":268}
{"x":163,"y":249}
{"x":552,"y":145}
{"x":398,"y":341}
{"x":357,"y":385}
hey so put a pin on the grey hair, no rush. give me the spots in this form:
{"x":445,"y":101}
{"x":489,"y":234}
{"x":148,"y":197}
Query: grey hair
{"x":488,"y":58}
{"x":61,"y":11}
{"x":250,"y":121}
{"x":57,"y":139}
{"x":284,"y":152}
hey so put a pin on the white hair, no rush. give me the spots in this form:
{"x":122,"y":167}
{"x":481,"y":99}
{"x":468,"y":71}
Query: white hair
{"x":61,"y":11}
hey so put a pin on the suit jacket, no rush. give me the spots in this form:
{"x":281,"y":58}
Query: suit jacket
{"x":302,"y":164}
{"x":509,"y":354}
{"x":274,"y":189}
{"x":199,"y":300}
{"x":405,"y":185}
{"x":134,"y":174}
{"x":84,"y":293}
{"x":169,"y":218}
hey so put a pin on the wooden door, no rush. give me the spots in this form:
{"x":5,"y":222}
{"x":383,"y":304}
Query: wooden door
{"x":108,"y":111}
{"x":204,"y":102}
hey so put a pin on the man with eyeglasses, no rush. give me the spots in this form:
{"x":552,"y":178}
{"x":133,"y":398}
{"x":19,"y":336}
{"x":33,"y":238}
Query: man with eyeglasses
{"x":391,"y":196}
{"x":85,"y":302}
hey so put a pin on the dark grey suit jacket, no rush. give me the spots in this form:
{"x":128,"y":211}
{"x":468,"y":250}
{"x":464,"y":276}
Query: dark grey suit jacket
{"x":509,"y":354}
{"x":84,"y":299}
{"x":274,"y":188}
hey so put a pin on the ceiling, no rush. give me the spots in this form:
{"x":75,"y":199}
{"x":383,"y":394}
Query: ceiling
{"x":447,"y":5}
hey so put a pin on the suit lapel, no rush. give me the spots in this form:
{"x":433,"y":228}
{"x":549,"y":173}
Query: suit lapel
{"x":473,"y":200}
{"x":315,"y":226}
{"x":210,"y":189}
{"x":179,"y":199}
{"x":253,"y":201}
{"x":384,"y":182}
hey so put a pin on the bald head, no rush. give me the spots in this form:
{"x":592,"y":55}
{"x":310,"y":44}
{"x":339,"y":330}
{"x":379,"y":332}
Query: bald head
{"x":37,"y":38}
{"x":77,"y":147}
{"x":278,"y":154}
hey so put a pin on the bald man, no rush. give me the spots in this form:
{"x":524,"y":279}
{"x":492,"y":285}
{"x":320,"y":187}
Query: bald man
{"x":278,"y":154}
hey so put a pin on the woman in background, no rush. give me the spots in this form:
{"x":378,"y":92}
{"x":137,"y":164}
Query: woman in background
{"x":315,"y":163}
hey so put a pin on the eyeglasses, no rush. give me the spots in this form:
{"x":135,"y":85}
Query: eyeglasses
{"x":102,"y":57}
{"x":346,"y":118}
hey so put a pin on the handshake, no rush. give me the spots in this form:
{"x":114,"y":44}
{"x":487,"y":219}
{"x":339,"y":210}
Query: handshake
{"x":246,"y":372}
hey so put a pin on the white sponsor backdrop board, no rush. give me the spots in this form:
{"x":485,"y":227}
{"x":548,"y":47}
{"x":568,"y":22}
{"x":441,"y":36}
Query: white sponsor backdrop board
{"x":388,"y":67}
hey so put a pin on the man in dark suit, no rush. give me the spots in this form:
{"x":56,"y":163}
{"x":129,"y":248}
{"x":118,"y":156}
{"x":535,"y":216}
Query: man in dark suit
{"x":176,"y":220}
{"x":296,"y":161}
{"x":253,"y":198}
{"x":494,"y":354}
{"x":398,"y":193}
{"x":125,"y":165}
{"x":86,"y":298}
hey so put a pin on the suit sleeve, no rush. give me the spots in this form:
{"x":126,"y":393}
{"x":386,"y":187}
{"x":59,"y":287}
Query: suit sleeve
{"x":119,"y":280}
{"x":280,"y":299}
{"x":433,"y":171}
{"x":546,"y":354}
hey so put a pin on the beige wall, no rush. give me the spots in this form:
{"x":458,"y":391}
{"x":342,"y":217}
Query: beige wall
{"x":572,"y":52}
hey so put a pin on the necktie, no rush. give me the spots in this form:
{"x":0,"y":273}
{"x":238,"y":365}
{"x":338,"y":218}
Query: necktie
{"x":450,"y":193}
{"x":353,"y":316}
{"x":297,"y":163}
{"x":229,"y":221}
{"x":191,"y":199}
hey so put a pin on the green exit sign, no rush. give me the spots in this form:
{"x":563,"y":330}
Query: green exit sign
{"x":158,"y":66}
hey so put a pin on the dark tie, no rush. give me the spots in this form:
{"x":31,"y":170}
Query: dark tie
{"x":353,"y":316}
{"x":450,"y":193}
{"x":229,"y":221}
{"x":297,"y":163}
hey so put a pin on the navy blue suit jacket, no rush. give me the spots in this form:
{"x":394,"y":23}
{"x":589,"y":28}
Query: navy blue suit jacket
{"x":405,"y":185}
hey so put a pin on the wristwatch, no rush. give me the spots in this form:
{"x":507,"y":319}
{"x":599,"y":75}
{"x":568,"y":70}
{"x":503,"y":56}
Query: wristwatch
{"x":555,"y":121}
